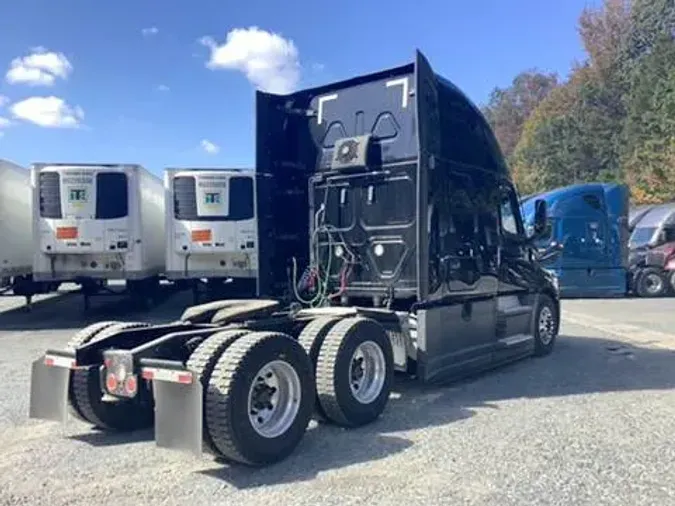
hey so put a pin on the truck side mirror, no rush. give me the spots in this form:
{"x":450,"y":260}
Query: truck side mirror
{"x":540,"y":218}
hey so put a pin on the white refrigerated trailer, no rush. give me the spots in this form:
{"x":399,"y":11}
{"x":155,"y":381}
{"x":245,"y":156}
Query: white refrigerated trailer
{"x":16,"y":248}
{"x":15,"y":221}
{"x":212,"y":230}
{"x":94,"y":223}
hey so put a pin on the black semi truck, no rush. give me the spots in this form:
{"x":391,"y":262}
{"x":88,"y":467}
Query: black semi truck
{"x":394,"y":242}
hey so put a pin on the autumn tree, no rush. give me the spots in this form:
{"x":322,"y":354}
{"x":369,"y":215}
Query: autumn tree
{"x":508,"y":108}
{"x":649,"y":133}
{"x":612,"y":119}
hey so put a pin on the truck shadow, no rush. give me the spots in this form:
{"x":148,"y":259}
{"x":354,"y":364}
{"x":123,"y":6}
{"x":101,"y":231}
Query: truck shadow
{"x":579,"y":365}
{"x":67,"y":311}
{"x":99,"y":438}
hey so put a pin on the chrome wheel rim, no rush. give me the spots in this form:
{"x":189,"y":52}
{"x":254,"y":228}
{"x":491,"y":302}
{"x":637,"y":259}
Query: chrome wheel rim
{"x":367,"y":370}
{"x":546,"y":325}
{"x":654,"y":283}
{"x":274,"y":399}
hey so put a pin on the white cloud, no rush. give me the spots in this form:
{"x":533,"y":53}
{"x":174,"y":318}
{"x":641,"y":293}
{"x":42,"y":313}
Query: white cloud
{"x":48,"y":112}
{"x":162,"y":87}
{"x":4,"y":123}
{"x":152,"y":30}
{"x":40,"y":68}
{"x":209,"y":147}
{"x":268,"y":60}
{"x":318,"y":67}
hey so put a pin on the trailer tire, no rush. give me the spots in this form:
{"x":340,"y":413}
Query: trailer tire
{"x":650,"y":283}
{"x":81,"y":337}
{"x":671,"y":282}
{"x":311,"y":338}
{"x":203,"y":360}
{"x":345,"y":401}
{"x":121,"y":415}
{"x":234,"y":406}
{"x":546,"y":325}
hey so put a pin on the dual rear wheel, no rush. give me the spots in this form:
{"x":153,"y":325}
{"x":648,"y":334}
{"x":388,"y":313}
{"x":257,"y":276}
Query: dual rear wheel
{"x":261,"y":388}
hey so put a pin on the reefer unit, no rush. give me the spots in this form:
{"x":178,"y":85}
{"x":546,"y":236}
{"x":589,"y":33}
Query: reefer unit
{"x":211,"y":228}
{"x":15,"y":221}
{"x":97,"y":221}
{"x":233,"y":224}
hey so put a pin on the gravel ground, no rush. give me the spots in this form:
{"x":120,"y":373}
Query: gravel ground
{"x":591,"y":424}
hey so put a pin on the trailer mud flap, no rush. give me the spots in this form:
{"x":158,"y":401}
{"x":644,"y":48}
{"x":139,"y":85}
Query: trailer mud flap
{"x":49,"y":390}
{"x":178,"y":415}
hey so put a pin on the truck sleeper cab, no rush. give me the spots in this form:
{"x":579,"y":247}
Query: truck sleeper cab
{"x":636,"y":213}
{"x":588,"y":223}
{"x":212,"y":229}
{"x":98,"y":222}
{"x":418,"y":263}
{"x":652,"y":253}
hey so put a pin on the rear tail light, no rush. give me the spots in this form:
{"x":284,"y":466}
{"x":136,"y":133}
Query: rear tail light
{"x":111,"y":382}
{"x":130,"y":385}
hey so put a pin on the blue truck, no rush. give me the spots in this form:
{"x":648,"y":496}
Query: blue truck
{"x":589,"y":228}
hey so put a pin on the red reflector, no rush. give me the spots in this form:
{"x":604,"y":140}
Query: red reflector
{"x":49,"y":362}
{"x":147,"y":375}
{"x":185,"y":378}
{"x":111,"y":382}
{"x":66,"y":233}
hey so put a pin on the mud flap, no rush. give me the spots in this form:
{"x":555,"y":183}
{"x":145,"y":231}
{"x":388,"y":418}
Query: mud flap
{"x":178,"y":416}
{"x":48,"y":392}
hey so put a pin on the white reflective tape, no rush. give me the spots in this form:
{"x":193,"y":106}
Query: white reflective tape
{"x":403,"y":81}
{"x":323,"y":100}
{"x":59,"y":361}
{"x":169,"y":375}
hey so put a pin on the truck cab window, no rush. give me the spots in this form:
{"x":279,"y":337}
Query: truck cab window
{"x":509,"y":212}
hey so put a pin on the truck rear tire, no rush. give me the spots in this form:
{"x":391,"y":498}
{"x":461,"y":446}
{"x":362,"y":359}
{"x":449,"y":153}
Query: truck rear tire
{"x":546,"y":326}
{"x":650,"y":283}
{"x":81,"y":337}
{"x":311,"y":338}
{"x":355,"y":372}
{"x":260,"y":398}
{"x":120,"y":415}
{"x":203,"y":360}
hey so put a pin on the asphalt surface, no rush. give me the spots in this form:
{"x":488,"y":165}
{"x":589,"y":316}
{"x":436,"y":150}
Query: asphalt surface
{"x":591,"y":424}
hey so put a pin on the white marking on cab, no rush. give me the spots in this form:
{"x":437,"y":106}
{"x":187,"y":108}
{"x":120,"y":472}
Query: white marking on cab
{"x":403,"y":81}
{"x":322,"y":101}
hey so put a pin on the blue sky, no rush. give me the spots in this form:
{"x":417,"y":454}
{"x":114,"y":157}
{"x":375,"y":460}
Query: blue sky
{"x":133,"y":74}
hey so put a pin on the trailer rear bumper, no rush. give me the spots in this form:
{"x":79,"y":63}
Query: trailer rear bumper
{"x":213,"y":274}
{"x":50,"y":376}
{"x":178,"y":395}
{"x":63,"y":275}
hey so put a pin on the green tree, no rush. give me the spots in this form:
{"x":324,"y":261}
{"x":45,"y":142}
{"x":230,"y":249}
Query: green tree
{"x":649,"y":131}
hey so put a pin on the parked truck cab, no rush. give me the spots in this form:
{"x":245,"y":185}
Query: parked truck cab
{"x":588,"y":224}
{"x":652,"y":253}
{"x":418,"y":262}
{"x":636,"y":213}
